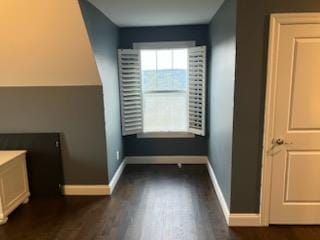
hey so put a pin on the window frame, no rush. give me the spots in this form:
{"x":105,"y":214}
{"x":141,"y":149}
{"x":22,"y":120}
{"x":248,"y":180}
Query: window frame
{"x":164,"y":45}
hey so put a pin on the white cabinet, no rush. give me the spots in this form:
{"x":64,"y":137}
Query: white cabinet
{"x":14,"y":188}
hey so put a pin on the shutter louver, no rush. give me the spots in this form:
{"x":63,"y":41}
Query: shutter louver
{"x":197,"y":84}
{"x":130,"y":91}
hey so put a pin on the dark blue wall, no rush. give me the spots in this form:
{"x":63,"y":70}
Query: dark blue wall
{"x":198,"y":33}
{"x":251,"y":61}
{"x":141,"y":147}
{"x":222,"y":34}
{"x":104,"y":40}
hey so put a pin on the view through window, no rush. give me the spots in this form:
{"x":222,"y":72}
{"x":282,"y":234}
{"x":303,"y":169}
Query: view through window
{"x":164,"y":88}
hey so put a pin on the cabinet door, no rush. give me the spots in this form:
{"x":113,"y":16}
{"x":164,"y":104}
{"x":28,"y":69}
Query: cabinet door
{"x":14,"y":184}
{"x":44,"y":162}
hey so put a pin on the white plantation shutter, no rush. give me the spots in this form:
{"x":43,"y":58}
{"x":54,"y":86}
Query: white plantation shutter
{"x":197,"y":84}
{"x":130,"y":91}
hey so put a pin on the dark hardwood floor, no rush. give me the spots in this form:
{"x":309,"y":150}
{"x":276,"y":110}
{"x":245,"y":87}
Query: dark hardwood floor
{"x":151,"y":202}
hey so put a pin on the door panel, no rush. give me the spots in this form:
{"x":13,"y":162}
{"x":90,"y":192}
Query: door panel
{"x":302,"y":177}
{"x":295,"y":181}
{"x":305,"y":97}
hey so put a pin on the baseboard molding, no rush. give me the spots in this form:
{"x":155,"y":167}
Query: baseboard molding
{"x":86,"y":190}
{"x":117,"y":176}
{"x":95,"y":190}
{"x":222,"y":201}
{"x":245,"y":220}
{"x":167,"y":160}
{"x":233,"y":219}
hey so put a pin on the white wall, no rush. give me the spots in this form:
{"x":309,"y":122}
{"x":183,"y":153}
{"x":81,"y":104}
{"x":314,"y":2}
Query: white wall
{"x":44,"y":43}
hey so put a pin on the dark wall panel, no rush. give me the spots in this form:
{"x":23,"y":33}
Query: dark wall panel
{"x":198,"y":33}
{"x":252,"y":40}
{"x":44,"y":161}
{"x":222,"y":33}
{"x":76,"y":112}
{"x":147,"y":147}
{"x":104,"y":39}
{"x":140,"y":147}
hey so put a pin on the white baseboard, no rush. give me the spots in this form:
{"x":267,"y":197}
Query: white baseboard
{"x":233,"y":219}
{"x":95,"y":190}
{"x":222,"y":201}
{"x":245,"y":220}
{"x":167,"y":160}
{"x":85,"y":190}
{"x":117,"y":176}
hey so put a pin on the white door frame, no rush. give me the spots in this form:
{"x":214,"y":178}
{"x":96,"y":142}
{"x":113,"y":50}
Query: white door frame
{"x":276,"y":20}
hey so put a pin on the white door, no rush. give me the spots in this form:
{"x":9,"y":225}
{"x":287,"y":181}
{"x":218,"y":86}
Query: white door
{"x":295,"y":151}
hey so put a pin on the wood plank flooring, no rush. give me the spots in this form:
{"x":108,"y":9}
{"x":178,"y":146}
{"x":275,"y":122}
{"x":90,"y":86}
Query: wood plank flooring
{"x":151,"y":202}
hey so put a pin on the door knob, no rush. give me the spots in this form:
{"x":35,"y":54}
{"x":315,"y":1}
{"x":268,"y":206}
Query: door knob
{"x":280,"y":141}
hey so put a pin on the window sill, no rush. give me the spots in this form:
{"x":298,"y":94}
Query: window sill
{"x":165,"y":135}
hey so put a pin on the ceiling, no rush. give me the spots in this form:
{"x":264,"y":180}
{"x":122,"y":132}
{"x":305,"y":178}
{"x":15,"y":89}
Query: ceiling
{"x":137,"y":13}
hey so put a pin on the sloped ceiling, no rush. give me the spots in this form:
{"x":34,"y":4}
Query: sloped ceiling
{"x":137,"y":13}
{"x":45,"y":44}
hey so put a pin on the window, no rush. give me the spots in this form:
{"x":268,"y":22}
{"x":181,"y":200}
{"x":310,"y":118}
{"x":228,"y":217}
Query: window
{"x":163,"y":89}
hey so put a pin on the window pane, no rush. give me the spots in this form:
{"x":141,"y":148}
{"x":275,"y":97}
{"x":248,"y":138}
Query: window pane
{"x":165,"y":112}
{"x":164,"y":59}
{"x":180,"y":65}
{"x":164,"y":79}
{"x":164,"y":74}
{"x":148,"y":59}
{"x":180,"y":59}
{"x":148,"y":67}
{"x":179,"y":79}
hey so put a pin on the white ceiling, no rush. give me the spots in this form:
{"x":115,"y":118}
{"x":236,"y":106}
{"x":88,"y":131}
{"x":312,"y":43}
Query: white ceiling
{"x":137,"y":13}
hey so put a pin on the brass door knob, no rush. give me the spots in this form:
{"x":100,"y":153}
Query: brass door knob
{"x":280,"y":141}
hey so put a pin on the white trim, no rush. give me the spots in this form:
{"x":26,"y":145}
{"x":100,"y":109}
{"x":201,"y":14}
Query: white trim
{"x":216,"y":186}
{"x":163,"y":45}
{"x":95,"y":190}
{"x":166,"y":160}
{"x":276,"y":20}
{"x":232,"y":219}
{"x":165,"y":135}
{"x":86,"y":190}
{"x":245,"y":220}
{"x":296,"y":18}
{"x":268,"y":123}
{"x":117,"y":176}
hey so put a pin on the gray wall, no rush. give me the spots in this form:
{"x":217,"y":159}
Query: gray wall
{"x":140,"y":147}
{"x":76,"y":112}
{"x":252,"y":37}
{"x":198,"y":33}
{"x":222,"y":35}
{"x":104,"y":39}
